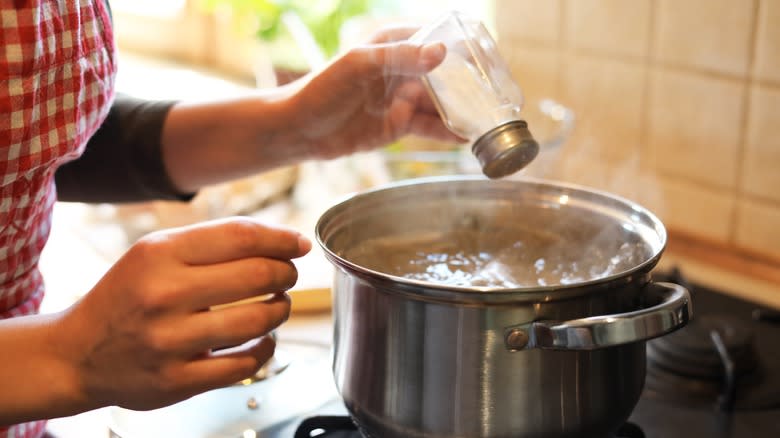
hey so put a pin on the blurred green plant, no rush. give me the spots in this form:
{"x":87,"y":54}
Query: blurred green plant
{"x":323,"y":18}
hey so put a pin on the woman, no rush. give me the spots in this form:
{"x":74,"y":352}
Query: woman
{"x":143,"y":337}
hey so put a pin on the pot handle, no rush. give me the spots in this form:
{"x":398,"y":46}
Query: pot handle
{"x":673,"y":311}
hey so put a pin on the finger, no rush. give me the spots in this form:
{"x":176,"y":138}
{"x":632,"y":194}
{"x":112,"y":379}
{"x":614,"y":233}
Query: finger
{"x":219,"y":284}
{"x":403,"y":59}
{"x":227,"y":367}
{"x":232,"y":325}
{"x":235,"y":238}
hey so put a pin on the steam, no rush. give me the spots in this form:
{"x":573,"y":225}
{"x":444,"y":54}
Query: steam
{"x":582,"y":160}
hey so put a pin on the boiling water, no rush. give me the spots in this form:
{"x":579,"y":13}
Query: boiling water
{"x":493,"y":260}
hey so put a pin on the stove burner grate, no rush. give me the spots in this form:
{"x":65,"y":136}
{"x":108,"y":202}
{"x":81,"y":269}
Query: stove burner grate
{"x":693,"y":351}
{"x":725,"y":357}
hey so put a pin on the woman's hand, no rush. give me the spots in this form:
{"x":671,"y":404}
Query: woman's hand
{"x":369,"y":97}
{"x":145,"y":336}
{"x":363,"y":99}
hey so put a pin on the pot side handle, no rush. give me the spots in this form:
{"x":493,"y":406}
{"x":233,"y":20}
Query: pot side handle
{"x":672,"y":312}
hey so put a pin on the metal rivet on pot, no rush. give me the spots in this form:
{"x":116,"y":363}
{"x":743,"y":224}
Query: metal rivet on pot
{"x":252,"y":403}
{"x":516,"y":339}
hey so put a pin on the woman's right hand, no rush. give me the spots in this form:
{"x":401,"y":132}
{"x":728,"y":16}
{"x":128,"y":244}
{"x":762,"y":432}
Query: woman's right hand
{"x":148,"y":335}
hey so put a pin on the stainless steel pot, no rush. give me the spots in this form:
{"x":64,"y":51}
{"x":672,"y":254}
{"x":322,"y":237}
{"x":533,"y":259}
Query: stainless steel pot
{"x":416,"y":359}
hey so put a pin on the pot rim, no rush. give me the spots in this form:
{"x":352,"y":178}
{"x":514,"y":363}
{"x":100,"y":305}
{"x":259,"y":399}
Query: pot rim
{"x":482,"y":294}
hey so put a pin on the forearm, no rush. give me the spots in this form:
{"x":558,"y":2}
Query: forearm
{"x":36,"y":377}
{"x":213,"y":142}
{"x":364,"y":99}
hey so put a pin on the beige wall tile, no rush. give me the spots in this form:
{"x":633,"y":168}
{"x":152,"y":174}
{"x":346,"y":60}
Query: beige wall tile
{"x":607,"y":98}
{"x":767,"y":64}
{"x":692,"y":208}
{"x":627,"y":178}
{"x":695,"y":209}
{"x":617,"y":26}
{"x":694,"y":126}
{"x":758,"y":227}
{"x":529,"y":20}
{"x":710,"y":34}
{"x":535,"y":69}
{"x":761,"y":167}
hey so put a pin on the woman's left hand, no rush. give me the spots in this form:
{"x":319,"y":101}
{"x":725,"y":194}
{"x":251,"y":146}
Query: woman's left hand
{"x":364,"y":99}
{"x":369,"y":97}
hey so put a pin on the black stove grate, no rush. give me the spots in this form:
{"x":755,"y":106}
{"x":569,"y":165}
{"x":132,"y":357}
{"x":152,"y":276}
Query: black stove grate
{"x":727,"y":357}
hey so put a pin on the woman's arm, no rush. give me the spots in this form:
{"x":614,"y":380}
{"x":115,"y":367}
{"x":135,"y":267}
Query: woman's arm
{"x":36,"y":377}
{"x":205,"y":143}
{"x":364,"y":99}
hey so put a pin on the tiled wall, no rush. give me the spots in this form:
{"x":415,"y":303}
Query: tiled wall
{"x":677,"y":105}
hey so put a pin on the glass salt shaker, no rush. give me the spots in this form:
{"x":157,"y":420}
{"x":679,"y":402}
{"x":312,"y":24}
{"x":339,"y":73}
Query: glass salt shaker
{"x":476,"y":96}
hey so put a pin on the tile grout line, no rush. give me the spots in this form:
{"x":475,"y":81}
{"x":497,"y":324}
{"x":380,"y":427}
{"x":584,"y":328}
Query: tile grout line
{"x":772,"y":202}
{"x":639,"y":60}
{"x":747,"y":84}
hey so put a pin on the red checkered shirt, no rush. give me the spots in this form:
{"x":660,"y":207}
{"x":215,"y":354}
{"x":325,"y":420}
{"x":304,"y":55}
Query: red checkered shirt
{"x":57,"y":72}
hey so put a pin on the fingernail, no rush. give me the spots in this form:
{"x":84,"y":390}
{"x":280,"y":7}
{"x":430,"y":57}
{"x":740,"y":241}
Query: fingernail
{"x":432,"y":53}
{"x":304,"y":244}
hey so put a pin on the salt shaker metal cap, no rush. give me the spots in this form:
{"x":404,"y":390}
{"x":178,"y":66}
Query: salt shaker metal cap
{"x":505,"y":149}
{"x":475,"y":94}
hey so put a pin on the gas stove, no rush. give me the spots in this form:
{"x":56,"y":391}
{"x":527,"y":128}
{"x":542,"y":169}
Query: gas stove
{"x":717,"y":377}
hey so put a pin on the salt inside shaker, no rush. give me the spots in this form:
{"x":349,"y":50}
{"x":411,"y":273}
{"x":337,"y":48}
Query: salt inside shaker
{"x":476,"y":96}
